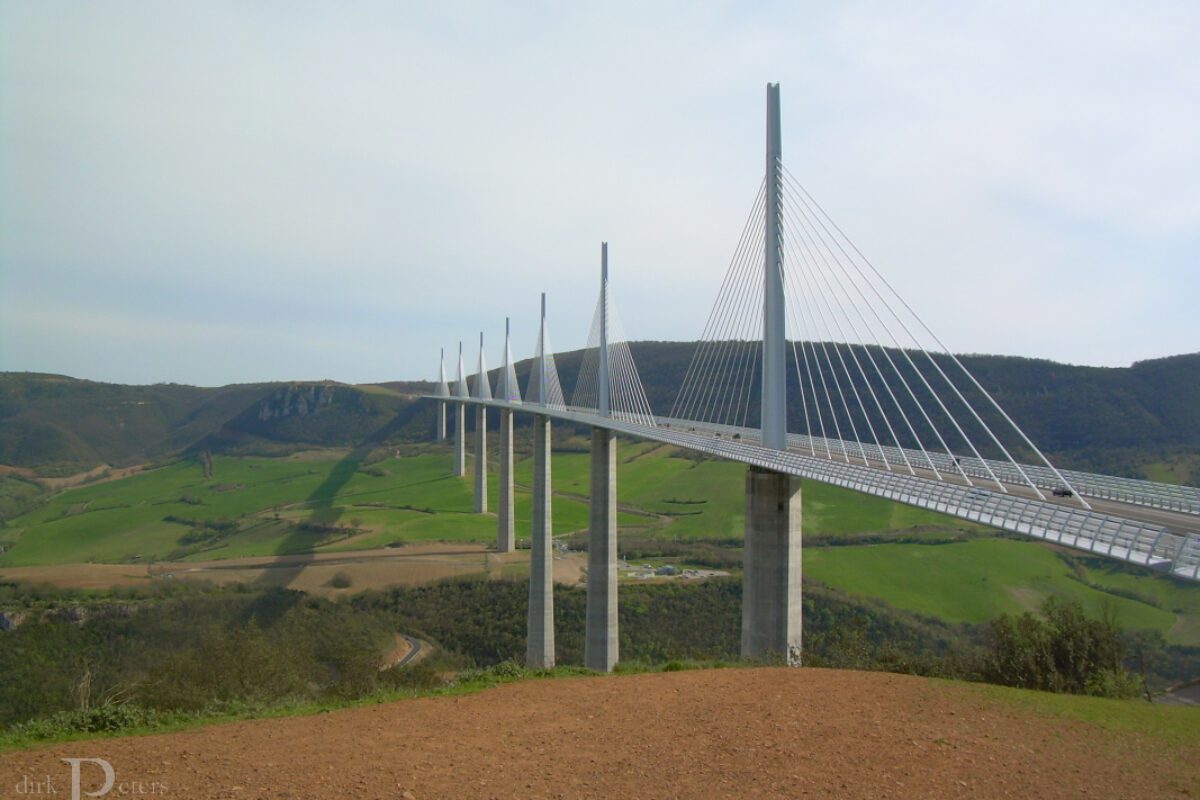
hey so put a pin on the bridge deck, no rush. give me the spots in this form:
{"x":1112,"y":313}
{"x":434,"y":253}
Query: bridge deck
{"x":1126,"y":533}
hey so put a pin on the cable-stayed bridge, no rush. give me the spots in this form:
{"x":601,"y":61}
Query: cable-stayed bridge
{"x":810,"y":366}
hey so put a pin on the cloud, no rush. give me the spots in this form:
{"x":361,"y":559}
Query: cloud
{"x":394,"y":179}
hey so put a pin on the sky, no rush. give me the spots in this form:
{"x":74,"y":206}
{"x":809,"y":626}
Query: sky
{"x":216,"y":192}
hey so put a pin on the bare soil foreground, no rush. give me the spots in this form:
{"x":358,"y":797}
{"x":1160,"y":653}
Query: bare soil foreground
{"x":736,"y":733}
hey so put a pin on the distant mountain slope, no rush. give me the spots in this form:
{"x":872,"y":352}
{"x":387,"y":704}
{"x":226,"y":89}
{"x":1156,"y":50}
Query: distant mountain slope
{"x":1117,"y":420}
{"x":1142,"y":420}
{"x":322,"y":414}
{"x":59,"y":425}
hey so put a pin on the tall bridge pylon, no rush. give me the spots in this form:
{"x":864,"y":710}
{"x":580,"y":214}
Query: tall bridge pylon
{"x":774,"y":386}
{"x":443,"y":391}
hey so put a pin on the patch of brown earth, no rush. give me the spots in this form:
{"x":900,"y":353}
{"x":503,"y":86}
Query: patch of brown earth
{"x":101,"y":474}
{"x":770,"y":733}
{"x":81,"y":576}
{"x":368,"y":569}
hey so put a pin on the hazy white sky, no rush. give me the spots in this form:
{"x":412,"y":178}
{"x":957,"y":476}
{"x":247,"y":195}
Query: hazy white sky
{"x":211,"y":192}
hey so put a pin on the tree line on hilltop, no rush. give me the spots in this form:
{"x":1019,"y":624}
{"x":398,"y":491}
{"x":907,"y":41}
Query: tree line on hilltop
{"x":1106,"y":419}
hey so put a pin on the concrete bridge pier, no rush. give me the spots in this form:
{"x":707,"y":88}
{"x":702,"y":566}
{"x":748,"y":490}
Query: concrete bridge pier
{"x":771,"y":609}
{"x":539,"y":647}
{"x":505,"y":527}
{"x":441,"y":421}
{"x":481,"y":505}
{"x":460,"y":442}
{"x":601,"y":645}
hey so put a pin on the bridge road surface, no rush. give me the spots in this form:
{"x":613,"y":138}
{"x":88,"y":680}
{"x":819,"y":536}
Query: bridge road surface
{"x":1174,"y":521}
{"x":1177,"y":522}
{"x":1134,"y":533}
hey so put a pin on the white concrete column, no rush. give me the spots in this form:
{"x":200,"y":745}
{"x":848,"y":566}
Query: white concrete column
{"x":460,"y":439}
{"x":539,"y":648}
{"x":505,"y":526}
{"x":774,"y":359}
{"x":603,"y":385}
{"x":441,"y":420}
{"x":601,"y":644}
{"x":771,"y":607}
{"x":481,"y":504}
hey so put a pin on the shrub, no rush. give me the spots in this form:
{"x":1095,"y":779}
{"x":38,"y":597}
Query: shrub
{"x":1060,"y":649}
{"x":101,"y":719}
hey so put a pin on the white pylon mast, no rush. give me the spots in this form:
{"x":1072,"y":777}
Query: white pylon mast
{"x":774,"y":362}
{"x":443,"y":389}
{"x":543,"y":393}
{"x":602,"y":402}
{"x":461,"y":389}
{"x":504,"y":389}
{"x":483,"y":387}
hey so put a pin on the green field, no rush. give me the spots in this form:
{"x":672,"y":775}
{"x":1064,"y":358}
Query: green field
{"x":703,"y":499}
{"x":978,"y":580}
{"x":334,"y":500}
{"x":299,"y":504}
{"x":1179,"y":470}
{"x":410,"y":499}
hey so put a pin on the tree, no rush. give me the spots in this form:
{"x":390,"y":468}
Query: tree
{"x":1060,"y":649}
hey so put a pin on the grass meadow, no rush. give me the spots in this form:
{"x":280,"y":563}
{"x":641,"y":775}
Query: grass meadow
{"x":342,"y":501}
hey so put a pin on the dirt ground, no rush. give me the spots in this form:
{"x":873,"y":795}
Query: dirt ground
{"x":101,"y":474}
{"x":411,"y":565}
{"x":766,"y":733}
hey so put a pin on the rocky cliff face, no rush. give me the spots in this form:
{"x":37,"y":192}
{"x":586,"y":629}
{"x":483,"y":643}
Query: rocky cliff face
{"x":325,"y":414}
{"x":296,"y":400}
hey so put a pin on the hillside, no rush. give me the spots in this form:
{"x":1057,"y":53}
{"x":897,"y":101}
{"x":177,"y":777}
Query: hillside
{"x":1138,"y":420}
{"x":772,"y":733}
{"x":61,"y":425}
{"x":56,"y":425}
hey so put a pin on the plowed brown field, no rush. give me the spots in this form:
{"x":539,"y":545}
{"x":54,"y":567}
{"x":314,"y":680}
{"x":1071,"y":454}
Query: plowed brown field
{"x":739,"y":733}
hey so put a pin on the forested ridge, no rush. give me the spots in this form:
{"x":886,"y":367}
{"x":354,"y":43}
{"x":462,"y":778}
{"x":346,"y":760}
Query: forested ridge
{"x":1129,"y":420}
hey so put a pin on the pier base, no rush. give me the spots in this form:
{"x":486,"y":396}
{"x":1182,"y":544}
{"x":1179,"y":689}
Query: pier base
{"x":481,"y":499}
{"x":460,"y":439}
{"x":505,"y":526}
{"x":771,"y":607}
{"x":601,"y":647}
{"x":539,"y":647}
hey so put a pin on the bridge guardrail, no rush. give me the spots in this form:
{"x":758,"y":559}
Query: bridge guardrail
{"x":1137,"y":542}
{"x":1165,"y":496}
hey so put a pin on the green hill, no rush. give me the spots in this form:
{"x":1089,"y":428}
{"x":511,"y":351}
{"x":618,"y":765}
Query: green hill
{"x":56,"y":425}
{"x":1138,"y":421}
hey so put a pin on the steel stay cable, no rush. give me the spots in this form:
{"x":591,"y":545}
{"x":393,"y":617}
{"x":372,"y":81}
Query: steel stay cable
{"x":725,"y":349}
{"x":936,"y":396}
{"x":925,"y":414}
{"x":702,"y":385}
{"x":958,"y":363}
{"x":731,"y":349}
{"x":685,"y":398}
{"x":837,"y":384}
{"x":803,"y":276}
{"x":866,"y":381}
